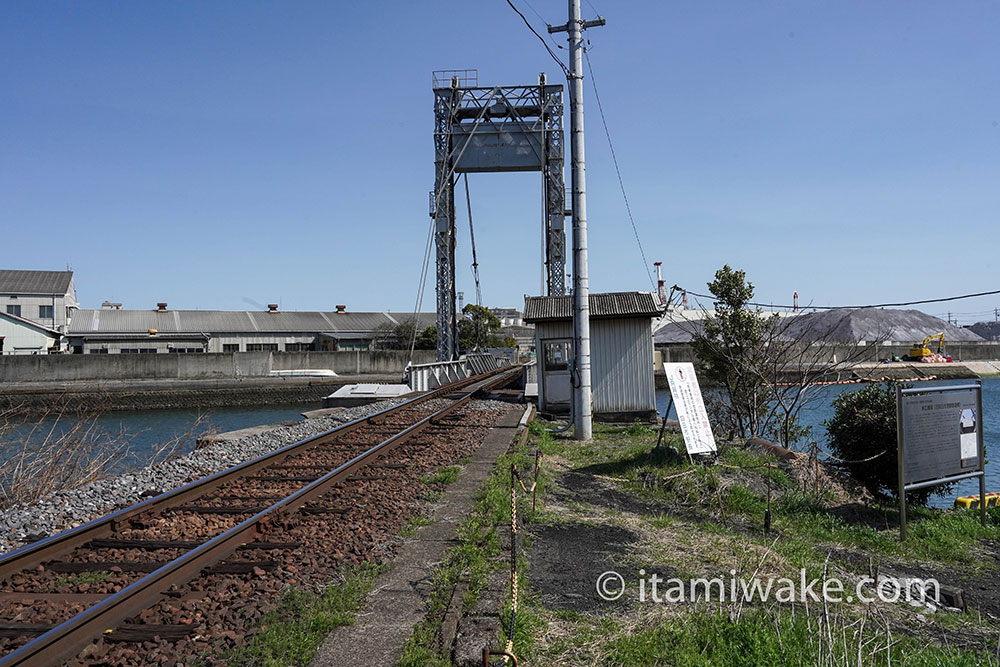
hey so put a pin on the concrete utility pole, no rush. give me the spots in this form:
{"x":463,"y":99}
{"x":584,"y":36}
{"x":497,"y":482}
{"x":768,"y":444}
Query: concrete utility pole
{"x":583,"y":427}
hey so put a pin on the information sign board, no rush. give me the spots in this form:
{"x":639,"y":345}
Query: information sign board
{"x":690,"y":406}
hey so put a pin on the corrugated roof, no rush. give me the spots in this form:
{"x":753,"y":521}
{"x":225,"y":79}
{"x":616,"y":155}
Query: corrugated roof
{"x":17,"y":319}
{"x":13,"y":281}
{"x":90,"y":322}
{"x":609,"y":304}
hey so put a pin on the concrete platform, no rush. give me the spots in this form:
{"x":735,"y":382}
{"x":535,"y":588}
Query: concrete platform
{"x":238,"y":434}
{"x":364,"y":393}
{"x":396,"y":603}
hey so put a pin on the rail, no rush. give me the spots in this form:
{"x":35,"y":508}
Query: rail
{"x":64,"y":640}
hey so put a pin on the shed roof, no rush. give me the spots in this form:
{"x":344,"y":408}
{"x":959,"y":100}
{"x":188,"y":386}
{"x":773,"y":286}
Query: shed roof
{"x":24,"y":322}
{"x":13,"y":281}
{"x":93,"y":322}
{"x":602,"y":306}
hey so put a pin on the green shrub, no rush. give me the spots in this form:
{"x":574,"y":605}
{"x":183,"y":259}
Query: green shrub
{"x":863,"y":434}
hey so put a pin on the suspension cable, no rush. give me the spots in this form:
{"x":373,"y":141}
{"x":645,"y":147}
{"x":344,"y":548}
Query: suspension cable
{"x":419,"y":302}
{"x":472,"y":236}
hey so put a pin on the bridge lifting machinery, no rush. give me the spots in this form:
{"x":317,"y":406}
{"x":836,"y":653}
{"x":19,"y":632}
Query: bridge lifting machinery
{"x":493,"y":129}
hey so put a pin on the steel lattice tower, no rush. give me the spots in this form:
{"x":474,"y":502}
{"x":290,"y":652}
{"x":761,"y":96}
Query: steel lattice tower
{"x":483,"y":129}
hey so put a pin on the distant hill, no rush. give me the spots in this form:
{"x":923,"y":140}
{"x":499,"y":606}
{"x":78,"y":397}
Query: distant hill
{"x":988,"y":330}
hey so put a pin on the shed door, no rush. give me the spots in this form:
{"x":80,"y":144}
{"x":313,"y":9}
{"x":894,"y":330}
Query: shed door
{"x":557,"y":391}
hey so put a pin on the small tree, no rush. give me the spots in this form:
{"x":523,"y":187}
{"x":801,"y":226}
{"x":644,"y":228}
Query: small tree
{"x":863,"y":434}
{"x":476,"y":327}
{"x":427,"y":339}
{"x":768,"y":367}
{"x":731,"y":350}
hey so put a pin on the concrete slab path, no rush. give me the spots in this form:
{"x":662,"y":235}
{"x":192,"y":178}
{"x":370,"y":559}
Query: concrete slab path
{"x":396,"y":603}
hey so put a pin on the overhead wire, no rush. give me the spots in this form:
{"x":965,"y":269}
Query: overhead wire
{"x":871,"y":305}
{"x":621,"y":183}
{"x":541,"y":39}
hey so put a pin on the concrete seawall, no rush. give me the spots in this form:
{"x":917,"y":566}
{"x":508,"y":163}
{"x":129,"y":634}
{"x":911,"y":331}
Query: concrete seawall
{"x":226,"y":365}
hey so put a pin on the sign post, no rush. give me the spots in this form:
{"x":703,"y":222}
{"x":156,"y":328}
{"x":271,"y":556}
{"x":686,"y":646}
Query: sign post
{"x":939,"y":439}
{"x":691,"y":413}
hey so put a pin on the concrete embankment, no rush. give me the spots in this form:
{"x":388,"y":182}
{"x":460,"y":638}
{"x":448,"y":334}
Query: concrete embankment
{"x":213,"y":366}
{"x":75,"y":383}
{"x":45,"y":397}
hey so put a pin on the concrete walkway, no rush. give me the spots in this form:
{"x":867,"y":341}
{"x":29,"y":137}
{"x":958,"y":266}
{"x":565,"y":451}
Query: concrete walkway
{"x":396,"y":603}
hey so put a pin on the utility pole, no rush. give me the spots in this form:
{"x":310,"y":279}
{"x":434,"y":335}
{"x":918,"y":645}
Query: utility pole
{"x":583,"y":427}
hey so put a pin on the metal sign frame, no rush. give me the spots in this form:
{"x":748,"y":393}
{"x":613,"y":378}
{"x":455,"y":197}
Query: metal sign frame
{"x":980,"y":471}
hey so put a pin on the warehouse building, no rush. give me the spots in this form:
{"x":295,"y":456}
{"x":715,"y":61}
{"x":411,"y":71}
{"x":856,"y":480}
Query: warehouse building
{"x":621,"y":353}
{"x":121,"y":331}
{"x":47,"y":298}
{"x":22,"y":336}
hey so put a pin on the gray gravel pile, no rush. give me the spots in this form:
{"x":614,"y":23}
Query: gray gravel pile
{"x":67,"y":508}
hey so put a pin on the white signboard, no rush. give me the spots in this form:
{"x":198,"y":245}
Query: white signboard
{"x":690,"y":408}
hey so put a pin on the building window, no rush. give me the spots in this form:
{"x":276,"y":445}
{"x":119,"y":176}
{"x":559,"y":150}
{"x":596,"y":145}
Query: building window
{"x":230,"y":347}
{"x":138,"y":350}
{"x":45,"y":312}
{"x":98,"y":350}
{"x":298,"y":347}
{"x":13,"y":309}
{"x":262,"y":347}
{"x":185,"y":350}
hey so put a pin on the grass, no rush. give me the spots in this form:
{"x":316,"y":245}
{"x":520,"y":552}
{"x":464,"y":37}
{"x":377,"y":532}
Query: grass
{"x":83,"y":578}
{"x":683,"y":528}
{"x":446,"y":475}
{"x":291,"y":633}
{"x":410,"y":529}
{"x":477,"y":555}
{"x":769,"y":637}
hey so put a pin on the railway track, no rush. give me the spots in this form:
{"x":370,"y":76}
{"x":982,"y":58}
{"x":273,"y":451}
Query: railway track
{"x":135,"y":577}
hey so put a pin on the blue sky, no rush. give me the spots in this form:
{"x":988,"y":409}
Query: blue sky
{"x":212,"y":154}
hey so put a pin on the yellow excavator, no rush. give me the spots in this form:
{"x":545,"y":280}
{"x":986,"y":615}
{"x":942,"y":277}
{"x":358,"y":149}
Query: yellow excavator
{"x":919,"y":351}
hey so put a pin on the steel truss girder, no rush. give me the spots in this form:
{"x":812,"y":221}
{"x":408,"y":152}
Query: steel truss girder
{"x":530,"y":110}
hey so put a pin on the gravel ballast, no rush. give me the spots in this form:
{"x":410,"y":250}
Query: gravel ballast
{"x":67,"y":508}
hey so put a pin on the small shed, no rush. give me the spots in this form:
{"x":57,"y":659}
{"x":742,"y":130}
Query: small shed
{"x":22,"y":336}
{"x":621,"y":353}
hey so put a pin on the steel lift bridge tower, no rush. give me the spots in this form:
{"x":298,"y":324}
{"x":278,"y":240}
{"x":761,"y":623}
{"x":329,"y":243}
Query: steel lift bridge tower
{"x":493,"y":129}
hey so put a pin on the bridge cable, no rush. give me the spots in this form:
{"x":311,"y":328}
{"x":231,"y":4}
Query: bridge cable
{"x":419,"y":302}
{"x":472,"y":235}
{"x":475,"y":262}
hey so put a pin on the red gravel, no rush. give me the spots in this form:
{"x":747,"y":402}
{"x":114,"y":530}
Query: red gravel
{"x":222,"y":608}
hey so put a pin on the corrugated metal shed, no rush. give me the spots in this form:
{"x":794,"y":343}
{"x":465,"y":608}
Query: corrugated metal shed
{"x":604,"y":305}
{"x":621,"y":350}
{"x":56,"y":283}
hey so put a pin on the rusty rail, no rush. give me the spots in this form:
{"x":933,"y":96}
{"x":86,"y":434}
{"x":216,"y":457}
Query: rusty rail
{"x":66,"y":639}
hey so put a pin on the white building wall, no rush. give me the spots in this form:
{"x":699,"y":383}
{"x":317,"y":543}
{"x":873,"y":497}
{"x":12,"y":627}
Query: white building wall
{"x":621,"y":363}
{"x":62,"y":307}
{"x":621,"y":359}
{"x":23,"y":339}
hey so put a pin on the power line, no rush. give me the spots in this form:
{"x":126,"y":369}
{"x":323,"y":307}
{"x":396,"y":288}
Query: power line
{"x":871,"y":305}
{"x":540,"y":38}
{"x":614,"y":159}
